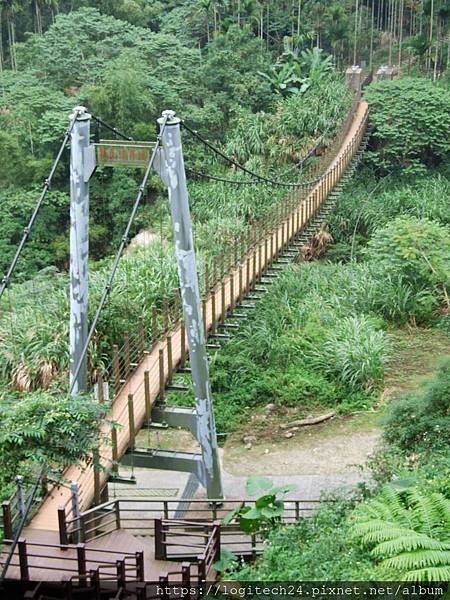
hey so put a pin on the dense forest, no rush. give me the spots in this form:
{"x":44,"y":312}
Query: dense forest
{"x":264,"y":80}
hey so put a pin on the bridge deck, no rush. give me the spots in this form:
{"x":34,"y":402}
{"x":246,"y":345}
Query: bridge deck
{"x":46,"y":518}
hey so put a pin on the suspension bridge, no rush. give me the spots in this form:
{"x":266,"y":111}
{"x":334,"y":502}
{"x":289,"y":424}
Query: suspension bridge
{"x":78,"y":534}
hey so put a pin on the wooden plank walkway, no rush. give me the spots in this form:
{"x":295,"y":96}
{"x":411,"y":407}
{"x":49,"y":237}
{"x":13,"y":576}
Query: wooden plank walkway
{"x":223,"y":297}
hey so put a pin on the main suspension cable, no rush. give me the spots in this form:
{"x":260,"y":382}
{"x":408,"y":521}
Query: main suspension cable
{"x":202,"y":175}
{"x":111,"y":128}
{"x":47,"y":184}
{"x":235,"y":163}
{"x":109,"y":281}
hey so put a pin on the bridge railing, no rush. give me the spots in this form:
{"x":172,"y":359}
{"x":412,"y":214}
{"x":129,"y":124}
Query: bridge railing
{"x":138,"y":515}
{"x":33,"y":559}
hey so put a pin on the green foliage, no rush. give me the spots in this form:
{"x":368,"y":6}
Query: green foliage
{"x":294,"y":127}
{"x":316,"y":341}
{"x":315,"y":549}
{"x":268,"y":510}
{"x":373,"y":203}
{"x":228,"y":561}
{"x":408,"y":531}
{"x":411,"y":124}
{"x":420,"y":422}
{"x":355,"y":352}
{"x":17,"y":206}
{"x":294,"y":73}
{"x":417,"y":251}
{"x":46,"y":427}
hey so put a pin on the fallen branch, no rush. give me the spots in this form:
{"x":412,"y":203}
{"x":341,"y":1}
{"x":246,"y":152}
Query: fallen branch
{"x":309,"y":421}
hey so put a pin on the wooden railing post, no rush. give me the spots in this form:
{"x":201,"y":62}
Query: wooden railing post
{"x":154,"y":326}
{"x":223,"y":309}
{"x":160,"y":546}
{"x":205,"y":324}
{"x":62,"y":526}
{"x":232,"y":298}
{"x":94,"y":576}
{"x":81,"y":561}
{"x":131,"y":422}
{"x":177,"y":306}
{"x":183,"y":345}
{"x":240,"y":285}
{"x":141,"y":591}
{"x":169,"y":359}
{"x":96,"y":466}
{"x":116,"y":368}
{"x":247,"y":278}
{"x":162,"y":378}
{"x":23,"y":559}
{"x":121,"y":573}
{"x":216,"y":533}
{"x":166,"y":315}
{"x":140,"y":575}
{"x":148,"y":405}
{"x":206,"y":291}
{"x":114,"y":450}
{"x":7,"y":520}
{"x":100,"y":388}
{"x":126,"y":354}
{"x":201,"y":566}
{"x":186,"y":574}
{"x":117,"y":513}
{"x":213,"y":311}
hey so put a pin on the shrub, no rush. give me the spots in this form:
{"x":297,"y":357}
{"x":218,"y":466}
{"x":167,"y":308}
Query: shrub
{"x":411,"y":123}
{"x":417,"y":251}
{"x":421,"y":421}
{"x":315,"y":549}
{"x":373,"y":203}
{"x":46,"y":427}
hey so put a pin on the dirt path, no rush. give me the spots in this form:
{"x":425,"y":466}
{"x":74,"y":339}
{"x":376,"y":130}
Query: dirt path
{"x":339,"y":447}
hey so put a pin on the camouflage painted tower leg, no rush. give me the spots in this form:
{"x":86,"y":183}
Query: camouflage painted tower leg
{"x":175,"y":178}
{"x":79,"y":248}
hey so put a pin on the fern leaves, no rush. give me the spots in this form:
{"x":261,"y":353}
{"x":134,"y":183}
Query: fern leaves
{"x":409,"y":532}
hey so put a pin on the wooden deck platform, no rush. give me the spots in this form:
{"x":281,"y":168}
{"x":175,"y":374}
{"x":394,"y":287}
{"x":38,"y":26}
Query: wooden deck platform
{"x":48,"y":562}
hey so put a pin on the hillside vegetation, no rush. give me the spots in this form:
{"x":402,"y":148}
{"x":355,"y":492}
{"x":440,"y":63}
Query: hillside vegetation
{"x":264,"y":81}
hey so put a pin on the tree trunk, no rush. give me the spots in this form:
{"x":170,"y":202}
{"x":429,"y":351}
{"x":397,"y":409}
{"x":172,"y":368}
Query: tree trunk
{"x":11,"y":41}
{"x":2,"y":59}
{"x":436,"y":56}
{"x":355,"y":41}
{"x":430,"y":38}
{"x":371,"y":35}
{"x":400,"y":40}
